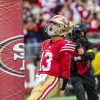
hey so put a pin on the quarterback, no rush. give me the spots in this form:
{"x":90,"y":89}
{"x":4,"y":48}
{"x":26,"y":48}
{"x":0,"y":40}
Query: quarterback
{"x":55,"y":60}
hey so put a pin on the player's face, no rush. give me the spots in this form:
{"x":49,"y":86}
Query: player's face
{"x":53,"y":26}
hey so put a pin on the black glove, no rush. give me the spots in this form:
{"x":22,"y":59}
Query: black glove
{"x":65,"y":81}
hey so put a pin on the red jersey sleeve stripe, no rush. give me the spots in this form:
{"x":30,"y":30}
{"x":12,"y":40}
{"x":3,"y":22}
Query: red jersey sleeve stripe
{"x":68,"y":47}
{"x":67,"y":50}
{"x":69,"y":44}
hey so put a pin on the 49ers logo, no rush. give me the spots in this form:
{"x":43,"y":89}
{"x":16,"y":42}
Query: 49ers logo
{"x":12,"y":56}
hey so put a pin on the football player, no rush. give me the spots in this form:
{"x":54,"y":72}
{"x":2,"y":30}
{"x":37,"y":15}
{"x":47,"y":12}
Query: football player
{"x":55,"y":61}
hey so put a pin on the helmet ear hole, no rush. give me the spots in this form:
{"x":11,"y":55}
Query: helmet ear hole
{"x":63,"y":31}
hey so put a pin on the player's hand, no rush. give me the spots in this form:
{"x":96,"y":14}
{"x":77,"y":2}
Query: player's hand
{"x":61,"y":92}
{"x":80,"y":51}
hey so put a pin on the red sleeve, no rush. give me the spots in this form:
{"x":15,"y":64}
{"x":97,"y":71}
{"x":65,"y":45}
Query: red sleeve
{"x":65,"y":58}
{"x":66,"y":53}
{"x":68,"y":46}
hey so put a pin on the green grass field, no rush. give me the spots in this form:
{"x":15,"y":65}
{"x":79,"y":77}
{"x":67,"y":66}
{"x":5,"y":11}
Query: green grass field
{"x":63,"y":98}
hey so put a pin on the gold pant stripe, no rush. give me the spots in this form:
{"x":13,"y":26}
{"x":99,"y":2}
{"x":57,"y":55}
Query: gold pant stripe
{"x":49,"y":88}
{"x":45,"y":90}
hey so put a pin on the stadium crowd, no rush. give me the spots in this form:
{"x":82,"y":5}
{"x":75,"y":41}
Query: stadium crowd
{"x":36,"y":14}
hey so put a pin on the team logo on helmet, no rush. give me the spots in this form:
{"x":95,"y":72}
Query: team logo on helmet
{"x":66,"y":22}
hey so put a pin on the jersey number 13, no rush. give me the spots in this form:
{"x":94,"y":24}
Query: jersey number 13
{"x":49,"y":57}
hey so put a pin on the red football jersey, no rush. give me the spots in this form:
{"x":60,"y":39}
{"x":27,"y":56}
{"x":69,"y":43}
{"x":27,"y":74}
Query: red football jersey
{"x":56,"y":58}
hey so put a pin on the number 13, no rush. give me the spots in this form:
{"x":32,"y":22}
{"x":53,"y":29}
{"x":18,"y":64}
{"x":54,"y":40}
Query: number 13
{"x":48,"y":61}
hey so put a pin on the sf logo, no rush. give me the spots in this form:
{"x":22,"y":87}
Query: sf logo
{"x":19,"y":54}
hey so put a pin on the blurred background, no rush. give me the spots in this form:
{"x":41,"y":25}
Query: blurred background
{"x":36,"y":14}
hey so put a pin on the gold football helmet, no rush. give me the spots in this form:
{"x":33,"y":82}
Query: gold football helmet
{"x":64,"y":26}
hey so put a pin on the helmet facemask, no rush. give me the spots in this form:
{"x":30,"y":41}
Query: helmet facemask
{"x":51,"y":31}
{"x":62,"y":28}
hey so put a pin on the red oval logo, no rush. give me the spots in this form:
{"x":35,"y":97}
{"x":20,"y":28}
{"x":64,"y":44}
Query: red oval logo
{"x":12,"y":56}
